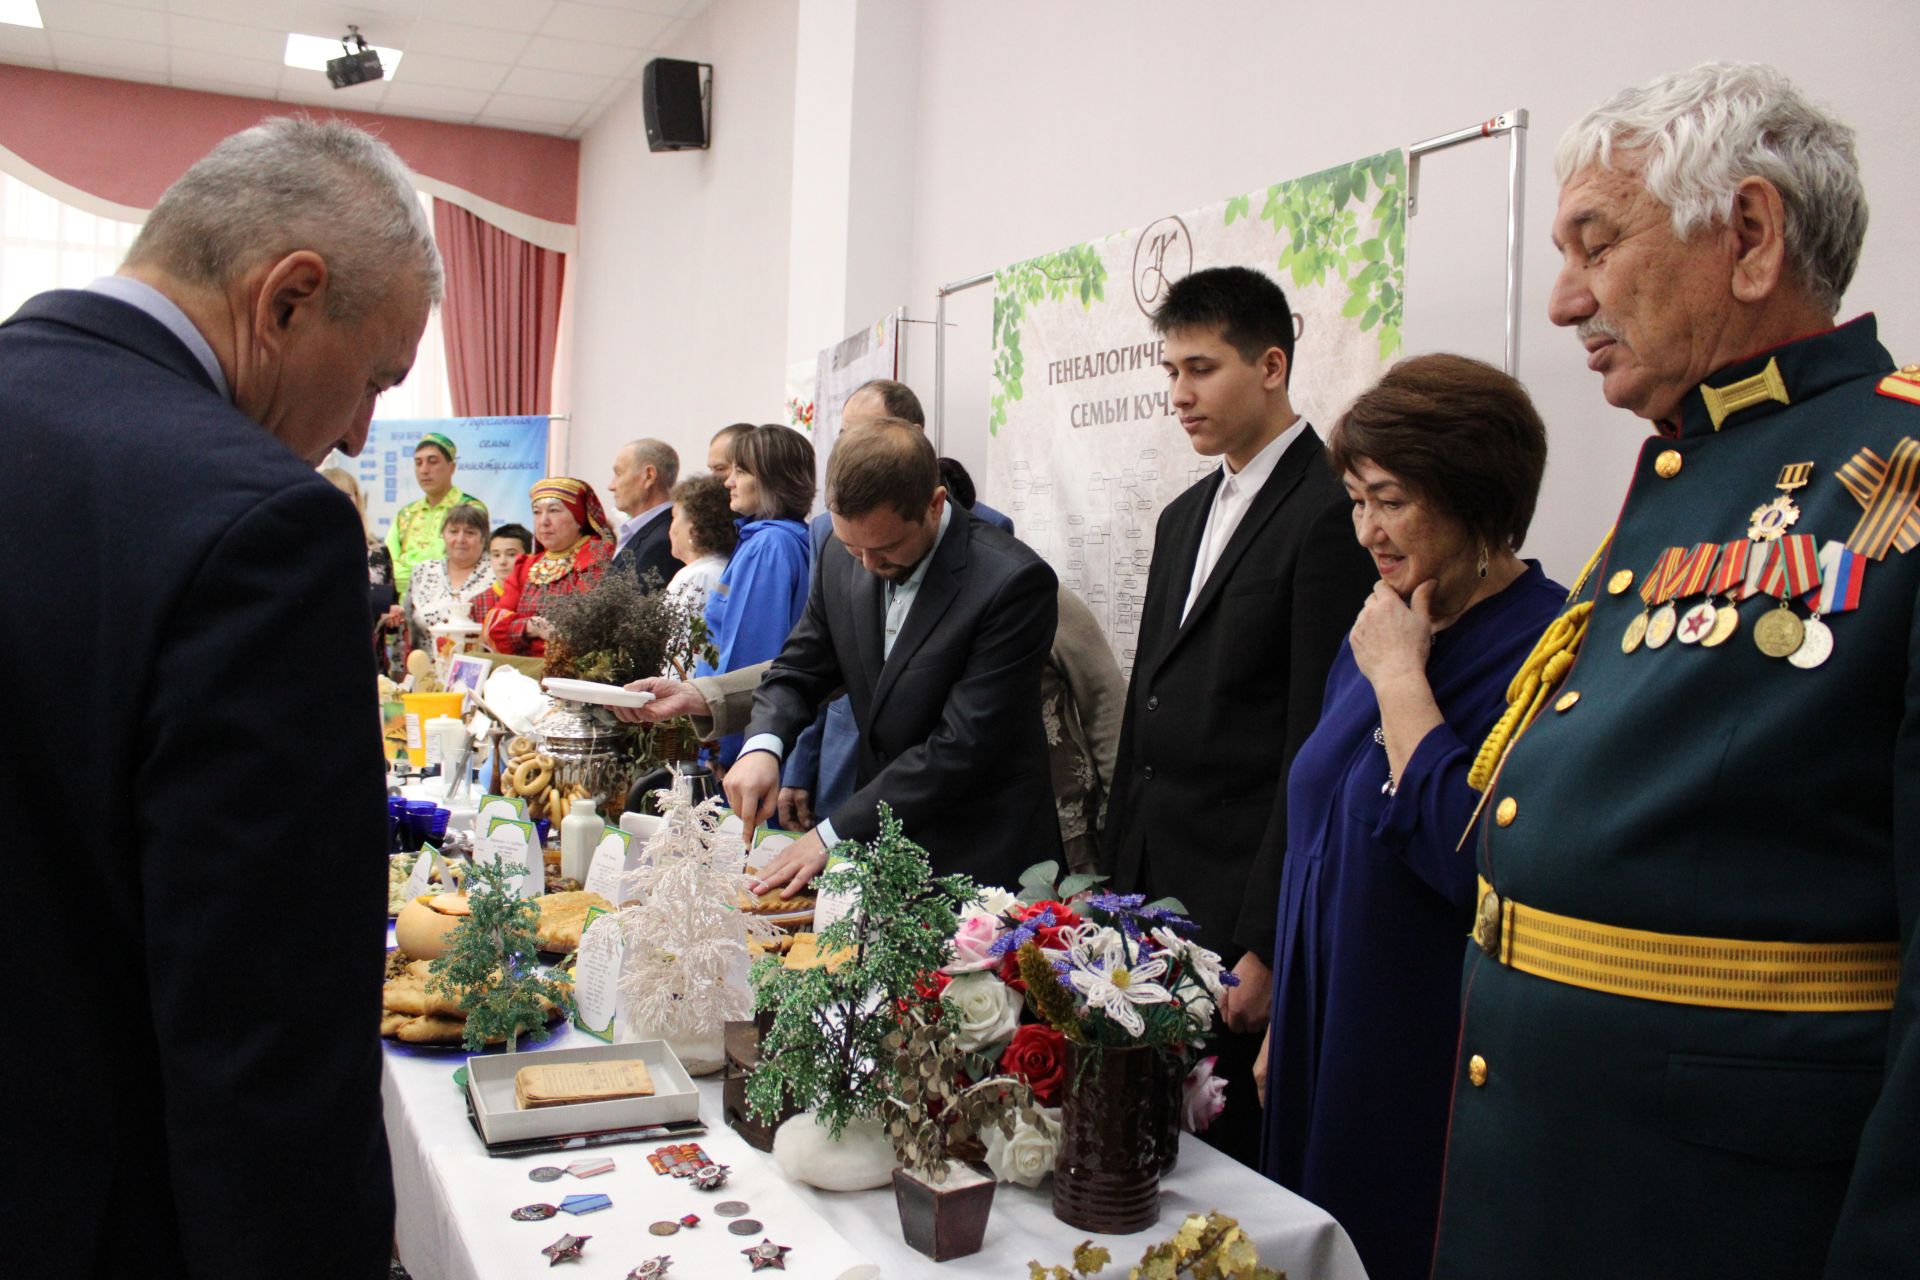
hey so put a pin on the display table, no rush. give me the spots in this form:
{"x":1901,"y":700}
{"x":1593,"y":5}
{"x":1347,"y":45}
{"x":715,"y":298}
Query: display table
{"x":453,"y":1202}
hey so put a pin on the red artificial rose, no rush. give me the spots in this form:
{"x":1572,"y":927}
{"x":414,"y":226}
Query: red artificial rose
{"x":1037,"y":1055}
{"x":1048,"y":936}
{"x":1009,"y":972}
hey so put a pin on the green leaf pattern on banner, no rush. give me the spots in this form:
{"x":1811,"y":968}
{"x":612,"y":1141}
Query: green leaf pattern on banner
{"x":1322,"y":216}
{"x":1076,"y":272}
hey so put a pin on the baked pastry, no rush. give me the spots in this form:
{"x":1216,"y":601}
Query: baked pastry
{"x":562,"y":918}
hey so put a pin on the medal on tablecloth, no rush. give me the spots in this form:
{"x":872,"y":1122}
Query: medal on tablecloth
{"x":1729,"y":583}
{"x":1842,"y":574}
{"x":1890,"y":492}
{"x":1693,"y":573}
{"x":1793,"y":569}
{"x":1660,"y":626}
{"x":1772,"y":519}
{"x":1649,"y":596}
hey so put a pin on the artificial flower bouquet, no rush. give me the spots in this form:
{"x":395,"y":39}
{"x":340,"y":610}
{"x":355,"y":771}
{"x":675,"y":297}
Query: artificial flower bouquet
{"x":1067,"y":962}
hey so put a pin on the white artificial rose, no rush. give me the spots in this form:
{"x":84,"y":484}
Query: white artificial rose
{"x":996,"y":901}
{"x":989,"y":1011}
{"x":1027,"y":1157}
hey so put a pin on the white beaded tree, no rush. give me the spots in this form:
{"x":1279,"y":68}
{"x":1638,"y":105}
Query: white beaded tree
{"x":684,"y":966}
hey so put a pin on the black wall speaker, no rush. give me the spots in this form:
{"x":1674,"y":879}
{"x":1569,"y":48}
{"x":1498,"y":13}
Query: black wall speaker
{"x":676,"y":118}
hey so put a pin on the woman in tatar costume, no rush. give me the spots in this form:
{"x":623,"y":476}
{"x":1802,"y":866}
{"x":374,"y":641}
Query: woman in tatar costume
{"x":576,"y":545}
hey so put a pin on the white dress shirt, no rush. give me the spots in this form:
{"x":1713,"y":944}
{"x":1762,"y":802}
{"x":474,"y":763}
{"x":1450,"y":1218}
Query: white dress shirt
{"x":1230,"y":502}
{"x":638,"y":523}
{"x":900,"y":598}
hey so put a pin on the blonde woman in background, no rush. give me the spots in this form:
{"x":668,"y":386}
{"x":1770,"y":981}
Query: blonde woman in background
{"x":382,"y":599}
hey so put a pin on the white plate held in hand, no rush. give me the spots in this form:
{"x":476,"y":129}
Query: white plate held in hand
{"x":606,"y":695}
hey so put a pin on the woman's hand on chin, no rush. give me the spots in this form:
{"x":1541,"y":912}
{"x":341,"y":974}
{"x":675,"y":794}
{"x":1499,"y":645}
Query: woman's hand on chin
{"x":1392,"y":637}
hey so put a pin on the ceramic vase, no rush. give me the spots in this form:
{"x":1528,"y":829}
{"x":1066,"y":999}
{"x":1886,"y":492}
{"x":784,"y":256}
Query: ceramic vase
{"x":1106,"y":1178}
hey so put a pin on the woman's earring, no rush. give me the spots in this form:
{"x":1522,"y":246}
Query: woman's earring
{"x":1483,"y":557}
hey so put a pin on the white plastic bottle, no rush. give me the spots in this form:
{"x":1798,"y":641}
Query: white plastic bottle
{"x":580,"y":833}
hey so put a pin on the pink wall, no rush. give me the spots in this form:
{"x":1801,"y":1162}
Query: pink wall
{"x":126,"y":142}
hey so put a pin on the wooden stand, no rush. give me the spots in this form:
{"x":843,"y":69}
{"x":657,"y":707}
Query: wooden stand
{"x":743,"y":1054}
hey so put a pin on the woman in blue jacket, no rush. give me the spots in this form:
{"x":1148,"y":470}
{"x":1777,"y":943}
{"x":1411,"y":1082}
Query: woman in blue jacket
{"x":760,"y":596}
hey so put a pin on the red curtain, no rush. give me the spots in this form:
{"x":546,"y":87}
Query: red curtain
{"x":501,"y":316}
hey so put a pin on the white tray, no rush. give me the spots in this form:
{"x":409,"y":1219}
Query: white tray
{"x":490,"y":1083}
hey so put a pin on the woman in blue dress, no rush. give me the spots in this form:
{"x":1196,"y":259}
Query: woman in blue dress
{"x":760,"y":595}
{"x":1442,"y":460}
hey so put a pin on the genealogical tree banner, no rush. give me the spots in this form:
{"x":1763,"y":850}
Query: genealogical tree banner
{"x":1086,"y":449}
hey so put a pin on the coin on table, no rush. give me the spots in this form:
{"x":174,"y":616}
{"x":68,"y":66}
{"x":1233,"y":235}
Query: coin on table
{"x":546,"y":1173}
{"x":730,"y":1208}
{"x":534,"y":1212}
{"x":745,"y":1227}
{"x":663,"y":1228}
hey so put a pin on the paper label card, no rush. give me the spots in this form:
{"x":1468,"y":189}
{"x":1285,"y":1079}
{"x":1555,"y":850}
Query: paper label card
{"x":829,"y":907}
{"x":611,"y":858}
{"x":499,"y":807}
{"x":596,"y":975}
{"x":420,"y":882}
{"x":513,"y":841}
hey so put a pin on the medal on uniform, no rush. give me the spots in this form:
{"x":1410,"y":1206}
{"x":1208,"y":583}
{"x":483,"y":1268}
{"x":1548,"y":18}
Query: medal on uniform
{"x":1729,"y":582}
{"x":1695,"y":624}
{"x":1772,"y":519}
{"x":1842,"y":574}
{"x":1665,"y":619}
{"x":1649,"y":596}
{"x":1792,"y":569}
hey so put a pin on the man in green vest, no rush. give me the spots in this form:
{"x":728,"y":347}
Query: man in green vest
{"x":1689,"y":1045}
{"x":415,"y":536}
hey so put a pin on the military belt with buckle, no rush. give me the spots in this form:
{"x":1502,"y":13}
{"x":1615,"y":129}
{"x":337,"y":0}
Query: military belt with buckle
{"x":1722,"y":973}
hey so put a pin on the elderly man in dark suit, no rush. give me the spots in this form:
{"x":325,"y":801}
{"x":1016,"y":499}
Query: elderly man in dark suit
{"x":204,"y":1109}
{"x":1255,"y":579}
{"x":644,"y":474}
{"x":937,"y":626}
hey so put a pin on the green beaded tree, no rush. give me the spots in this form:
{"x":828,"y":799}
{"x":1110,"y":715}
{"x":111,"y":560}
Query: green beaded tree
{"x":827,"y":1050}
{"x":490,"y":963}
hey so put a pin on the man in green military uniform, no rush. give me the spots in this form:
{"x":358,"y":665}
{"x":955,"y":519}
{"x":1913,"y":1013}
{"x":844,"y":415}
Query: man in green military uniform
{"x":1688,"y":1045}
{"x":415,"y":536}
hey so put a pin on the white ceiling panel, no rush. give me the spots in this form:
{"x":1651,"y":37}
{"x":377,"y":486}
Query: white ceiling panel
{"x":25,"y":46}
{"x":506,"y":106}
{"x":204,"y":35}
{"x":465,"y":103}
{"x":454,"y":73}
{"x":253,"y":13}
{"x":99,"y":51}
{"x":547,"y":54}
{"x":162,"y":76}
{"x":96,"y":19}
{"x":570,"y":21}
{"x":454,"y":40}
{"x":547,"y":66}
{"x":247,"y":73}
{"x":503,"y":15}
{"x":560,"y":86}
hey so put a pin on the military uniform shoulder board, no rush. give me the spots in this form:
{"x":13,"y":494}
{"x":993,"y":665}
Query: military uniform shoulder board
{"x":1904,"y":385}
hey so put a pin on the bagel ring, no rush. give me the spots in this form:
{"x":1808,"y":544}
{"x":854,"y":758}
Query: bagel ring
{"x":531,"y":776}
{"x":519,"y":748}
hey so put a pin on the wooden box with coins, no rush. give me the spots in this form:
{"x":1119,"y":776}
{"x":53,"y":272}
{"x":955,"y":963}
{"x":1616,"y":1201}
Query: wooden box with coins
{"x":497,"y":1090}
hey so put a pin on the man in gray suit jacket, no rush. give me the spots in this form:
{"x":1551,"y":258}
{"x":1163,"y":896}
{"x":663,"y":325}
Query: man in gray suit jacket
{"x":937,"y":626}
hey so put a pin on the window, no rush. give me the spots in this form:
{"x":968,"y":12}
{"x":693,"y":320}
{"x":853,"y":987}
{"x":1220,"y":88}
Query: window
{"x":48,"y":244}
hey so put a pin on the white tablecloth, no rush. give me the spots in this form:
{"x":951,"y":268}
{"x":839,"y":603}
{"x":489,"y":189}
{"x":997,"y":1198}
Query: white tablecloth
{"x":454,"y":1200}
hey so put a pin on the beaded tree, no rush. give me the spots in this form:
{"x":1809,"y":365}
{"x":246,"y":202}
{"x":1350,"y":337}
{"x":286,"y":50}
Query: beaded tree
{"x":490,"y":962}
{"x":686,"y":935}
{"x":831,"y":1023}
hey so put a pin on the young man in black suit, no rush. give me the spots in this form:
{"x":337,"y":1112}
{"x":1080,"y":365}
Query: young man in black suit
{"x":202,"y":695}
{"x":937,"y":625}
{"x":1255,"y":579}
{"x":644,"y":474}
